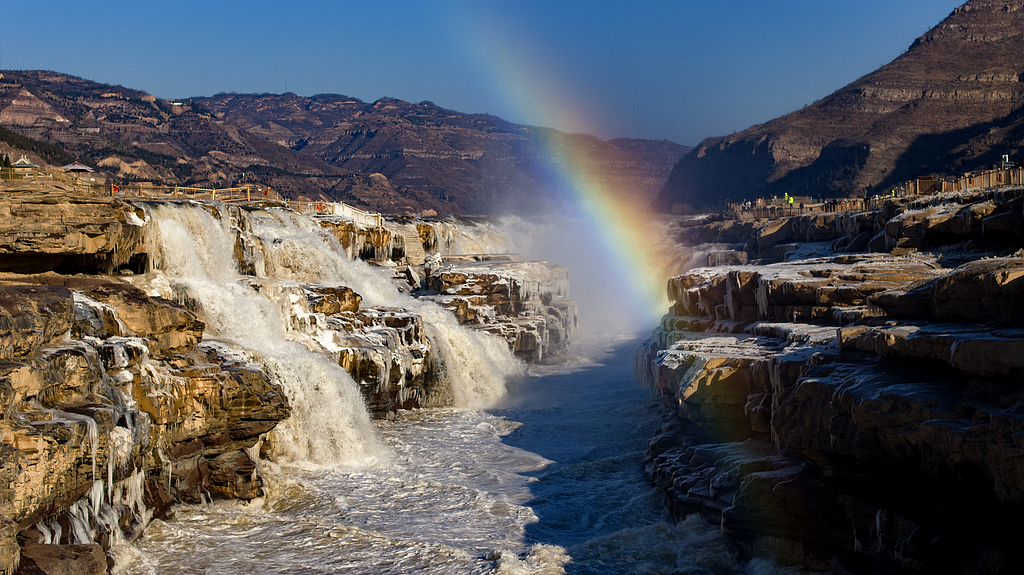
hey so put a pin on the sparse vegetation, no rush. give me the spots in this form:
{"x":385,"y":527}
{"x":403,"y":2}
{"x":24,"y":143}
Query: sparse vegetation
{"x":51,"y":153}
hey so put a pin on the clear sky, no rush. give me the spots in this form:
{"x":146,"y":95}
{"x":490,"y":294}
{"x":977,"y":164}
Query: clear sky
{"x":679,"y":70}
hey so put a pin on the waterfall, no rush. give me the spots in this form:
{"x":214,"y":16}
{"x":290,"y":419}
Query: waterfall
{"x":329,"y":423}
{"x":497,"y":237}
{"x":476,"y":365}
{"x":196,"y":251}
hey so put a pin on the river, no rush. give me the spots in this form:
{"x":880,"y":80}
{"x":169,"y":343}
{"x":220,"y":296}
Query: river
{"x":546,"y":478}
{"x":550,"y":483}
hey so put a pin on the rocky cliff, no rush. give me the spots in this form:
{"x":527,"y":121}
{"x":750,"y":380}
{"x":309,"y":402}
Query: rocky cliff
{"x":388,"y":156}
{"x":850,"y":400}
{"x":118,"y":403}
{"x":114,"y":409}
{"x":951,"y":103}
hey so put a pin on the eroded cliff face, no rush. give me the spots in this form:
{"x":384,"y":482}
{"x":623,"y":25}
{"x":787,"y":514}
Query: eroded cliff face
{"x":850,"y":407}
{"x":114,"y":409}
{"x":43,"y":227}
{"x":119,"y":402}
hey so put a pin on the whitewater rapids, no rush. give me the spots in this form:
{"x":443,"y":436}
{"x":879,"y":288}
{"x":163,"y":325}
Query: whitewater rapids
{"x":540,"y":478}
{"x":547,"y":485}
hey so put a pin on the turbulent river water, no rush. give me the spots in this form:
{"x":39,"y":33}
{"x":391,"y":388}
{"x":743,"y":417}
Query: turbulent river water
{"x":543,"y":477}
{"x":551,"y":483}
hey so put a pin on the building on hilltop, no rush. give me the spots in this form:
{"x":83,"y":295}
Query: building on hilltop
{"x":23,"y":168}
{"x":77,"y":168}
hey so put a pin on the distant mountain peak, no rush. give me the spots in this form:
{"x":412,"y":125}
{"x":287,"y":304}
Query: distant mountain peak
{"x":952,"y":102}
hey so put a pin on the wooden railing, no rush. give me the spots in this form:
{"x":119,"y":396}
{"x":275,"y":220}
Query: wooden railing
{"x":916,"y":187}
{"x":345,"y":211}
{"x":781,"y":209}
{"x":985,"y":179}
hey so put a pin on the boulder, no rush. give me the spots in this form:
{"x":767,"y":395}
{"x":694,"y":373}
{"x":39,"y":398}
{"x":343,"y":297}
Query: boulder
{"x":986,"y":290}
{"x":44,"y":559}
{"x":332,"y":300}
{"x":775,"y":231}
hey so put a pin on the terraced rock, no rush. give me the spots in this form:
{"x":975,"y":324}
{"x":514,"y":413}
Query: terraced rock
{"x":860,"y":410}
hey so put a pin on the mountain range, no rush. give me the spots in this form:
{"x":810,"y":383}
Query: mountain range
{"x":389,"y":155}
{"x":953,"y":102}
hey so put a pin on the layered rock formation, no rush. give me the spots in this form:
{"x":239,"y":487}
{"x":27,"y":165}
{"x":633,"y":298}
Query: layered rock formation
{"x":852,"y":410}
{"x":118,"y":403}
{"x":950,"y":103}
{"x":43,"y":227}
{"x":112,"y":396}
{"x":526,"y":303}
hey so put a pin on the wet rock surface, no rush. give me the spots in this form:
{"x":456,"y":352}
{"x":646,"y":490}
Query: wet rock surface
{"x":852,"y":411}
{"x":111,"y":396}
{"x":118,"y":403}
{"x":526,"y":303}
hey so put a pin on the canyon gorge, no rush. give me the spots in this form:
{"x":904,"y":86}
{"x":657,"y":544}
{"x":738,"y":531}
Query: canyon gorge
{"x":845,"y":387}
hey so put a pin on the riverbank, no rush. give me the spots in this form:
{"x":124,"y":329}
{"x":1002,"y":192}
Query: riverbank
{"x":845,"y":387}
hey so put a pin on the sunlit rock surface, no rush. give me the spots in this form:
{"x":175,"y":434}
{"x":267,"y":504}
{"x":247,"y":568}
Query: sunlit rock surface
{"x":111,"y":396}
{"x":463,"y":264}
{"x":841,"y":407}
{"x":526,"y":303}
{"x":385,"y":350}
{"x":46,"y":228}
{"x":119,"y":403}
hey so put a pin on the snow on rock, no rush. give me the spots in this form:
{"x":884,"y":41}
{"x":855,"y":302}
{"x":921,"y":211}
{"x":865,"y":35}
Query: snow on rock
{"x":853,"y":406}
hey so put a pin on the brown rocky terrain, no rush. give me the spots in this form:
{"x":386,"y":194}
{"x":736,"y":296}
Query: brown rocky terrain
{"x":109,"y":394}
{"x":951,"y":103}
{"x":389,"y":156}
{"x":480,"y":163}
{"x":853,"y":403}
{"x":118,"y":403}
{"x":112,"y":397}
{"x":526,"y":303}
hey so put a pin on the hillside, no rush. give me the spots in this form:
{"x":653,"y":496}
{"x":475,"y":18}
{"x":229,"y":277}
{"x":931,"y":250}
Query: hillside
{"x":478,"y":162}
{"x":953,"y":102}
{"x":389,"y":155}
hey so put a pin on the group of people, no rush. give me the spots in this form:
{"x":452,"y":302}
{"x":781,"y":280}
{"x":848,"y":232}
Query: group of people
{"x":839,"y":204}
{"x":790,"y":204}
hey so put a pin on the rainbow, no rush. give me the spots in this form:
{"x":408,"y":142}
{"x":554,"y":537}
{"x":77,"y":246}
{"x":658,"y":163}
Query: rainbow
{"x":623,"y":237}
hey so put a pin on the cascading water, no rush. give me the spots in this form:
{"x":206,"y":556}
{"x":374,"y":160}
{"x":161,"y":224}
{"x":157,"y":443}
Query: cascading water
{"x":329,"y":422}
{"x":549,"y":484}
{"x":476,"y":365}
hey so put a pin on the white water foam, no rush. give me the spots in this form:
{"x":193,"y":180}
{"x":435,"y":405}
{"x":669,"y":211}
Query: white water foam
{"x":329,"y":424}
{"x":477,"y":365}
{"x":549,"y":487}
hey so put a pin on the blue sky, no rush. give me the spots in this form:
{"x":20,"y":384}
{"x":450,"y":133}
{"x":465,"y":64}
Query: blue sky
{"x":678,"y":70}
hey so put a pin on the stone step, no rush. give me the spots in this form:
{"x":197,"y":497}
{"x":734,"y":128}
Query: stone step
{"x":414,"y":254}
